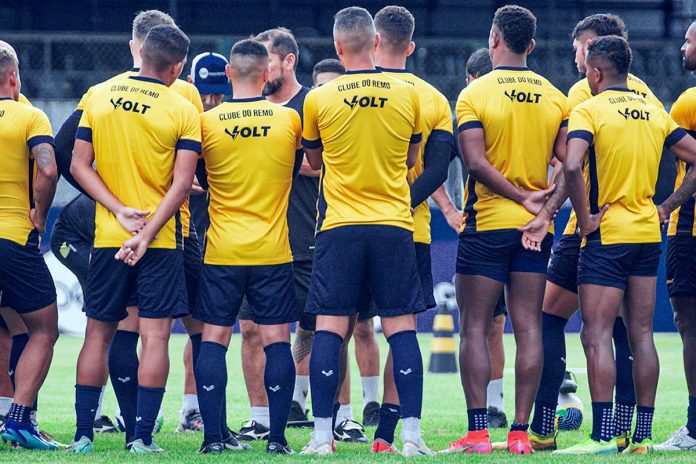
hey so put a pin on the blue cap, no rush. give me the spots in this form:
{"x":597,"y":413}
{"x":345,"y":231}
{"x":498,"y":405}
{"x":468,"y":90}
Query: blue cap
{"x":209,"y":75}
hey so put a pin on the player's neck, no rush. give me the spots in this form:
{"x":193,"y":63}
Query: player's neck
{"x":614,"y":84}
{"x":391,"y":62}
{"x":146,"y":71}
{"x":7,"y":92}
{"x":362,"y":62}
{"x":243,"y":91}
{"x":285,"y":93}
{"x":508,"y":59}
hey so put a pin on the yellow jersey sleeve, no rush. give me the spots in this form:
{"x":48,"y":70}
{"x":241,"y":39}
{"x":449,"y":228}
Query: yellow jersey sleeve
{"x":581,"y":124}
{"x":310,"y":129}
{"x":683,"y":113}
{"x":467,"y":110}
{"x":189,"y":92}
{"x":578,"y":93}
{"x":190,"y":135}
{"x":39,"y":130}
{"x":418,"y":126}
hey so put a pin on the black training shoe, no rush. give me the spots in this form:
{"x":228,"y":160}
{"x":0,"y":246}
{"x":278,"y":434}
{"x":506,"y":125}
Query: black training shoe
{"x":569,"y":384}
{"x":273,"y":447}
{"x":104,"y":425}
{"x":252,"y":430}
{"x":350,"y":432}
{"x":496,"y":418}
{"x":371,"y":414}
{"x":231,"y":442}
{"x":211,"y":448}
{"x":297,"y":414}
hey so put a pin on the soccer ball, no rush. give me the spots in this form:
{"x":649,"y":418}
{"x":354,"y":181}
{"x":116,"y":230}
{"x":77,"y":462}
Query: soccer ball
{"x":569,"y":413}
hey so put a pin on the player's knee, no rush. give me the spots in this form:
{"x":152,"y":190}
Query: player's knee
{"x":364,"y":333}
{"x":249,"y":331}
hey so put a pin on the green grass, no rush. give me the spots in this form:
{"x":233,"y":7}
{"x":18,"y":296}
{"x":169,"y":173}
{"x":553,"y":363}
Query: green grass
{"x":444,"y":412}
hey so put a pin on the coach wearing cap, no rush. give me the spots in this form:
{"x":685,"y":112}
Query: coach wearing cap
{"x":209,"y":76}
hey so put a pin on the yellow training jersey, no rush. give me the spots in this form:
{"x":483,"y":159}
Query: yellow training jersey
{"x":436,"y":124}
{"x":365,"y":121}
{"x":22,"y":127}
{"x":521,"y":113}
{"x":626,"y":136}
{"x":136,"y":124}
{"x":23,"y":99}
{"x":183,"y":88}
{"x":580,"y":92}
{"x":249,"y":146}
{"x":684,"y":113}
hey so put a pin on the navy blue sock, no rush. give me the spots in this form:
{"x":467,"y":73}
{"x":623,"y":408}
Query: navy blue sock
{"x":408,"y":372}
{"x":691,"y":417}
{"x":123,"y":371}
{"x":20,"y":413}
{"x":224,"y":429}
{"x":196,"y":341}
{"x":149,"y":402}
{"x":625,"y":390}
{"x":19,"y":342}
{"x":623,"y":418}
{"x":602,"y":421}
{"x":324,"y":368}
{"x":279,"y":379}
{"x":389,"y":415}
{"x":336,"y":407}
{"x":478,"y":419}
{"x":86,"y":403}
{"x":517,"y":427}
{"x":211,"y":382}
{"x":553,"y":336}
{"x":643,"y":424}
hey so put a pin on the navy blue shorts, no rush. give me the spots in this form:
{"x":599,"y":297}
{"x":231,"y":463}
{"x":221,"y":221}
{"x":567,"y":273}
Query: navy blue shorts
{"x":500,"y":307}
{"x":681,"y":266}
{"x":611,"y":265}
{"x":497,"y":253}
{"x":26,"y":284}
{"x":72,"y":252}
{"x":269,"y":290}
{"x":156,"y":281}
{"x":425,"y":272}
{"x":354,"y":263}
{"x":563,"y":266}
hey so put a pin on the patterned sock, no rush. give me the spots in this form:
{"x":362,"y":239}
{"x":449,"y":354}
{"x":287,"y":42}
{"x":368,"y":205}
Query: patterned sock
{"x":602,"y":421}
{"x":279,"y":376}
{"x":517,"y":427}
{"x":623,"y":418}
{"x":643,"y":424}
{"x":20,"y":413}
{"x":389,"y":415}
{"x":86,"y":402}
{"x":691,"y":417}
{"x":149,"y":402}
{"x":408,"y":372}
{"x":553,"y":337}
{"x":211,"y":382}
{"x":478,"y":419}
{"x":123,"y":371}
{"x":324,"y":368}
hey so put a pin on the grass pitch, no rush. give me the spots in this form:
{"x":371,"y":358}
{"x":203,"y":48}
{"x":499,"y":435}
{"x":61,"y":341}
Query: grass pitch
{"x":444,"y":413}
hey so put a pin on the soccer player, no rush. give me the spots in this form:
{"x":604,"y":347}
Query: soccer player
{"x":28,"y":179}
{"x":252,"y":151}
{"x":681,"y":259}
{"x":75,"y":236}
{"x":281,"y":88}
{"x":621,"y":135}
{"x":363,"y":130}
{"x":121,"y":121}
{"x":510,"y":122}
{"x":395,"y":26}
{"x":560,"y":299}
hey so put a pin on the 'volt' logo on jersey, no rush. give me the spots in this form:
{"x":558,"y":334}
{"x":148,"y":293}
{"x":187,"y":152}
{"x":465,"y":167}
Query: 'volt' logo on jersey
{"x":366,"y":102}
{"x":638,"y":115}
{"x":248,"y":131}
{"x":128,"y":105}
{"x":523,"y":97}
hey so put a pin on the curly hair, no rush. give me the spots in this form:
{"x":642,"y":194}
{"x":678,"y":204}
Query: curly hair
{"x":518,"y":26}
{"x":614,"y":50}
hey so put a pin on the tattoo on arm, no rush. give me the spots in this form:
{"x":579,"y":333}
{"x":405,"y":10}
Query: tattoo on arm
{"x":558,"y":197}
{"x":45,"y":186}
{"x":683,"y":193}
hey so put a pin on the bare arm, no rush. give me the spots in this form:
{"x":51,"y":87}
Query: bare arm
{"x":313,"y":156}
{"x":575,"y":181}
{"x":473,"y":146}
{"x":307,"y":170}
{"x":81,"y":169}
{"x":449,"y":210}
{"x":45,"y":185}
{"x":184,"y":169}
{"x":412,"y":156}
{"x":685,"y":150}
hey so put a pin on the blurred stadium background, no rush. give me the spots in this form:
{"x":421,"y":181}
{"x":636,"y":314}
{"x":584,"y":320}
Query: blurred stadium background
{"x":67,"y":46}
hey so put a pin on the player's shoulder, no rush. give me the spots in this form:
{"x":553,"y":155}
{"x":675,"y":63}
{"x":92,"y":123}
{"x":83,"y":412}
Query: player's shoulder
{"x":687,"y":97}
{"x":580,"y":91}
{"x":427,"y":87}
{"x":636,"y":80}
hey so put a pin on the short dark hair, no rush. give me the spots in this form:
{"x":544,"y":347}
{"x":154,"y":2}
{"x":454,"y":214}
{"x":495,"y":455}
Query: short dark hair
{"x":144,"y":21}
{"x":602,"y":24}
{"x":355,"y":22}
{"x":329,"y":65}
{"x":248,"y":59}
{"x":249,"y":47}
{"x":282,"y":42}
{"x":614,"y":50}
{"x":395,"y":25}
{"x":164,"y":46}
{"x":518,"y":26}
{"x":479,"y":63}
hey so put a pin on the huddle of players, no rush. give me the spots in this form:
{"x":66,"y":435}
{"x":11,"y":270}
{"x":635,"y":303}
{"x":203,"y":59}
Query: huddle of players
{"x":364,"y":204}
